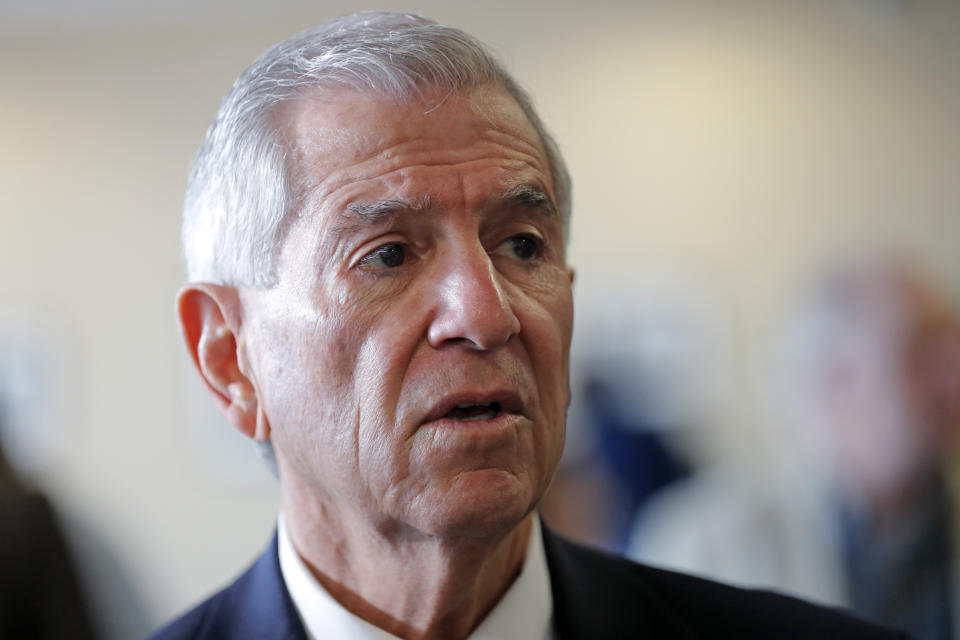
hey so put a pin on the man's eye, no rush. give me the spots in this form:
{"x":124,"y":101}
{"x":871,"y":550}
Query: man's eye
{"x":524,"y":247}
{"x":385,"y":256}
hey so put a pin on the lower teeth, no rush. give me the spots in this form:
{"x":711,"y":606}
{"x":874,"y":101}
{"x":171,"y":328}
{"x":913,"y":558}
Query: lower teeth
{"x":487,"y":415}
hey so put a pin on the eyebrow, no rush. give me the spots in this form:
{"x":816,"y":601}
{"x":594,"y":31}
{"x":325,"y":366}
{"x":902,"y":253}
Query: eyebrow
{"x":381,"y":210}
{"x":528,"y":195}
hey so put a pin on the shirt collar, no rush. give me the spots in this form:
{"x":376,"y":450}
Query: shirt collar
{"x":524,"y":611}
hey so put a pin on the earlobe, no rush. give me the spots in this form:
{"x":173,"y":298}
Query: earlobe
{"x":210,"y":321}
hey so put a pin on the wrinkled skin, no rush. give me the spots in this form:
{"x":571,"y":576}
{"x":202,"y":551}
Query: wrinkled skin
{"x":457,"y":290}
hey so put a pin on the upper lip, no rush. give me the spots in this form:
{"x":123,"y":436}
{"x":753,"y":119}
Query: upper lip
{"x":509,"y":402}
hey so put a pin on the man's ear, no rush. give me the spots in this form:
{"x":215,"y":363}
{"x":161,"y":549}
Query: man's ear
{"x":210,"y":319}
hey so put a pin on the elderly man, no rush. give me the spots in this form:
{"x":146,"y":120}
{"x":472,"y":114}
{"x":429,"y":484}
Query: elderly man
{"x":375,"y":231}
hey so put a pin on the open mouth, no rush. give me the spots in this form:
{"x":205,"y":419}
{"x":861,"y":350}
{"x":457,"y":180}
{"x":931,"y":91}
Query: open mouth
{"x":471,"y":411}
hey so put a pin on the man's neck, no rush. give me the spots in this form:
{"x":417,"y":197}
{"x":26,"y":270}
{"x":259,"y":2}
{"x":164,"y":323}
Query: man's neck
{"x":411,"y":586}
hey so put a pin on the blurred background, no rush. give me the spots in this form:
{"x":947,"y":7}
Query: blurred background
{"x":766,"y":230}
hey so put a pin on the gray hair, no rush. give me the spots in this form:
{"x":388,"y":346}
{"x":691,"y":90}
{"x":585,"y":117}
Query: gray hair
{"x":239,"y":195}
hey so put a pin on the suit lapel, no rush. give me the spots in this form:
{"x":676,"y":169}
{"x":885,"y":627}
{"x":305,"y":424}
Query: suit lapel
{"x":602,"y":597}
{"x":260,"y":604}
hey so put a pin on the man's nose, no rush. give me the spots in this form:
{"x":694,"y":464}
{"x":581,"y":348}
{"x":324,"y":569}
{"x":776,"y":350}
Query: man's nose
{"x":472,"y":306}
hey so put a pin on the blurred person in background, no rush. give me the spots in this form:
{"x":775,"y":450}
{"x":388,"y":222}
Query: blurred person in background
{"x":868,"y":518}
{"x":40,"y":595}
{"x":641,"y":381}
{"x":625,"y":460}
{"x":55,"y":555}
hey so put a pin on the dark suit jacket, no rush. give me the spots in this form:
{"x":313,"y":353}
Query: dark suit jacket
{"x":595,"y":597}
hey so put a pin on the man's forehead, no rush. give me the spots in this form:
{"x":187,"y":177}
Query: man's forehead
{"x":322,"y":119}
{"x":334,"y":137}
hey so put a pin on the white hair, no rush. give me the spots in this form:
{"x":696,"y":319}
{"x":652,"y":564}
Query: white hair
{"x":239,"y":195}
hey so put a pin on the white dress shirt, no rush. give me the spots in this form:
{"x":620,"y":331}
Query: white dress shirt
{"x":524,"y":612}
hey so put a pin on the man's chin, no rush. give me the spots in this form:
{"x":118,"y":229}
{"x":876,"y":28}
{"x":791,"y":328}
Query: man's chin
{"x":486,"y":503}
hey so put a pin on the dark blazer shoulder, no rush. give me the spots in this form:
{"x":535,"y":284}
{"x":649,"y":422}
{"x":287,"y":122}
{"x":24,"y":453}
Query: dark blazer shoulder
{"x":255,"y":606}
{"x":599,"y":595}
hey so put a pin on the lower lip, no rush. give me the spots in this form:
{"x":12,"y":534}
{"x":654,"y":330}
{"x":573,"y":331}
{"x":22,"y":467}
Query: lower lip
{"x":499,"y":424}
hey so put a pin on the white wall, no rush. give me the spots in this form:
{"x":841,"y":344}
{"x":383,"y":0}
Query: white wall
{"x":734,"y":143}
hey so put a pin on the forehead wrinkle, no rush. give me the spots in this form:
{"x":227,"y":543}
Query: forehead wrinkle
{"x":401,"y":155}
